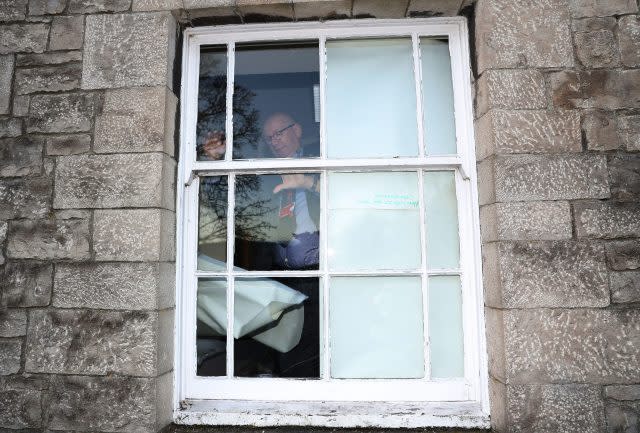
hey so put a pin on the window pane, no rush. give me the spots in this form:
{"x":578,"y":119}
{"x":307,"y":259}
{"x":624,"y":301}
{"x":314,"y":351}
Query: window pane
{"x":445,"y":326}
{"x":370,"y":99}
{"x":274,"y":109}
{"x":277,"y":230}
{"x":437,"y":94}
{"x":211,"y":342}
{"x":374,"y":221}
{"x":276,"y":327}
{"x":441,"y":207}
{"x":212,"y":103}
{"x":376,"y":328}
{"x":212,"y":223}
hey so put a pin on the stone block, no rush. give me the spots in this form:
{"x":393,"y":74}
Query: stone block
{"x":120,"y":342}
{"x":623,"y":392}
{"x":65,"y":236}
{"x":379,"y":8}
{"x":134,"y":235}
{"x":598,"y":49}
{"x":25,"y":198}
{"x":544,"y":220}
{"x":494,"y":326}
{"x":26,"y":284}
{"x":6,"y":75}
{"x":136,"y":120}
{"x":20,"y":105}
{"x":13,"y":10}
{"x":629,"y":130}
{"x":21,"y":156}
{"x":433,"y":8}
{"x":625,"y":287}
{"x":200,"y":4}
{"x":156,"y":5}
{"x":48,"y":79}
{"x":624,"y":176}
{"x":623,"y":417}
{"x":505,"y":132}
{"x":601,"y":8}
{"x":593,"y":24}
{"x":113,"y":403}
{"x":531,"y":34}
{"x":262,"y":12}
{"x":97,"y":6}
{"x":68,"y":144}
{"x":112,"y":58}
{"x":23,"y":38}
{"x":115,"y":286}
{"x":108,"y":181}
{"x":607,"y":219}
{"x":21,"y":406}
{"x":570,"y":408}
{"x":600,"y":89}
{"x":10,"y":351}
{"x":581,"y":345}
{"x":629,"y":40}
{"x":600,"y":130}
{"x":623,"y":255}
{"x":322,"y":10}
{"x":558,"y":177}
{"x":510,"y":89}
{"x":13,"y":322}
{"x":72,"y":112}
{"x":50,"y":58}
{"x":66,"y":33}
{"x":10,"y":127}
{"x":46,"y":7}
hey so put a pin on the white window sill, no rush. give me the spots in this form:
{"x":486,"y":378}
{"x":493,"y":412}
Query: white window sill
{"x":332,"y":414}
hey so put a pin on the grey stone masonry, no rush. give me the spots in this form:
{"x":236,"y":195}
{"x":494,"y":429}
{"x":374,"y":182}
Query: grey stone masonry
{"x":48,"y":79}
{"x":6,"y":75}
{"x":23,"y":38}
{"x":66,"y":33}
{"x":623,"y":255}
{"x":543,"y":220}
{"x":625,"y":287}
{"x":72,"y":112}
{"x":629,"y":40}
{"x":607,"y":219}
{"x":510,"y":89}
{"x":20,"y":156}
{"x":20,"y":400}
{"x":13,"y":322}
{"x":26,"y":284}
{"x":10,"y":353}
{"x":25,"y":197}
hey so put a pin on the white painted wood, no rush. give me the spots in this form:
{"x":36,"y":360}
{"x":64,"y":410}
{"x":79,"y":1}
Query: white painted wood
{"x":231,"y":77}
{"x":231,"y":229}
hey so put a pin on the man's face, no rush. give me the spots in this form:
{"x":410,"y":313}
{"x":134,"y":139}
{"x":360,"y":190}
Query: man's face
{"x":283,"y":135}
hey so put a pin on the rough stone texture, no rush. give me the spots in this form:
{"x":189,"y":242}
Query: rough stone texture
{"x":504,"y":132}
{"x":494,"y":325}
{"x":20,"y":402}
{"x":601,"y":89}
{"x":93,"y":6}
{"x":25,"y":284}
{"x":255,"y":11}
{"x":556,"y":408}
{"x":112,"y":58}
{"x":71,"y":112}
{"x":523,"y":34}
{"x":13,"y":322}
{"x":526,"y":221}
{"x":13,"y":10}
{"x":113,"y":403}
{"x":66,"y":33}
{"x":198,"y":4}
{"x":25,"y":38}
{"x":600,"y":130}
{"x":322,"y":10}
{"x":510,"y":89}
{"x":25,"y":198}
{"x":134,"y":235}
{"x":625,"y":287}
{"x":126,"y":286}
{"x":6,"y":72}
{"x":156,"y":5}
{"x":597,"y":8}
{"x":20,"y":156}
{"x":623,"y":392}
{"x":597,"y":49}
{"x":547,"y":274}
{"x":120,"y":127}
{"x":532,"y":177}
{"x":623,"y":417}
{"x":69,"y":144}
{"x":111,"y":341}
{"x":629,"y":40}
{"x":629,"y":130}
{"x":583,"y":345}
{"x":42,"y":7}
{"x":21,"y":105}
{"x":10,"y":127}
{"x":624,"y":177}
{"x":48,"y":79}
{"x":110,"y":181}
{"x":623,"y":255}
{"x":607,"y":219}
{"x":433,"y":8}
{"x":10,"y":351}
{"x":379,"y":8}
{"x":49,"y":58}
{"x":65,"y":236}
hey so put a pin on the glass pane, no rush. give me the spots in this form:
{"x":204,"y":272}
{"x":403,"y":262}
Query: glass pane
{"x":212,"y":223}
{"x":445,"y":327}
{"x":441,"y":207}
{"x":374,"y":221}
{"x":211,"y":331}
{"x":437,"y":94}
{"x":376,"y":327}
{"x":277,"y":327}
{"x":276,"y":221}
{"x":274,"y":109}
{"x":370,"y":99}
{"x":212,"y":103}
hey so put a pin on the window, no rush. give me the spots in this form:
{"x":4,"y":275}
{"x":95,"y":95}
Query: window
{"x":329,"y":245}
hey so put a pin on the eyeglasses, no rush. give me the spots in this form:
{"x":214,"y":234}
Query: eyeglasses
{"x":278,"y":134}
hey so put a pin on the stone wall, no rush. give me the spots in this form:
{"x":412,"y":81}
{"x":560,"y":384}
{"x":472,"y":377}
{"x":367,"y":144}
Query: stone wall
{"x":558,"y":136}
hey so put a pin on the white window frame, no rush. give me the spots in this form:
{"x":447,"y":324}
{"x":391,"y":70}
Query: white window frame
{"x":404,"y":403}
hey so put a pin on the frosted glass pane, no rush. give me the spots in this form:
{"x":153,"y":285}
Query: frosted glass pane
{"x":437,"y":94}
{"x":374,"y":221}
{"x":445,"y":327}
{"x":370,"y":99}
{"x":376,"y":327}
{"x":443,"y":246}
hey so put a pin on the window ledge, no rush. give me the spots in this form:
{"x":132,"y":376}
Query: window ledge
{"x":332,"y":414}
